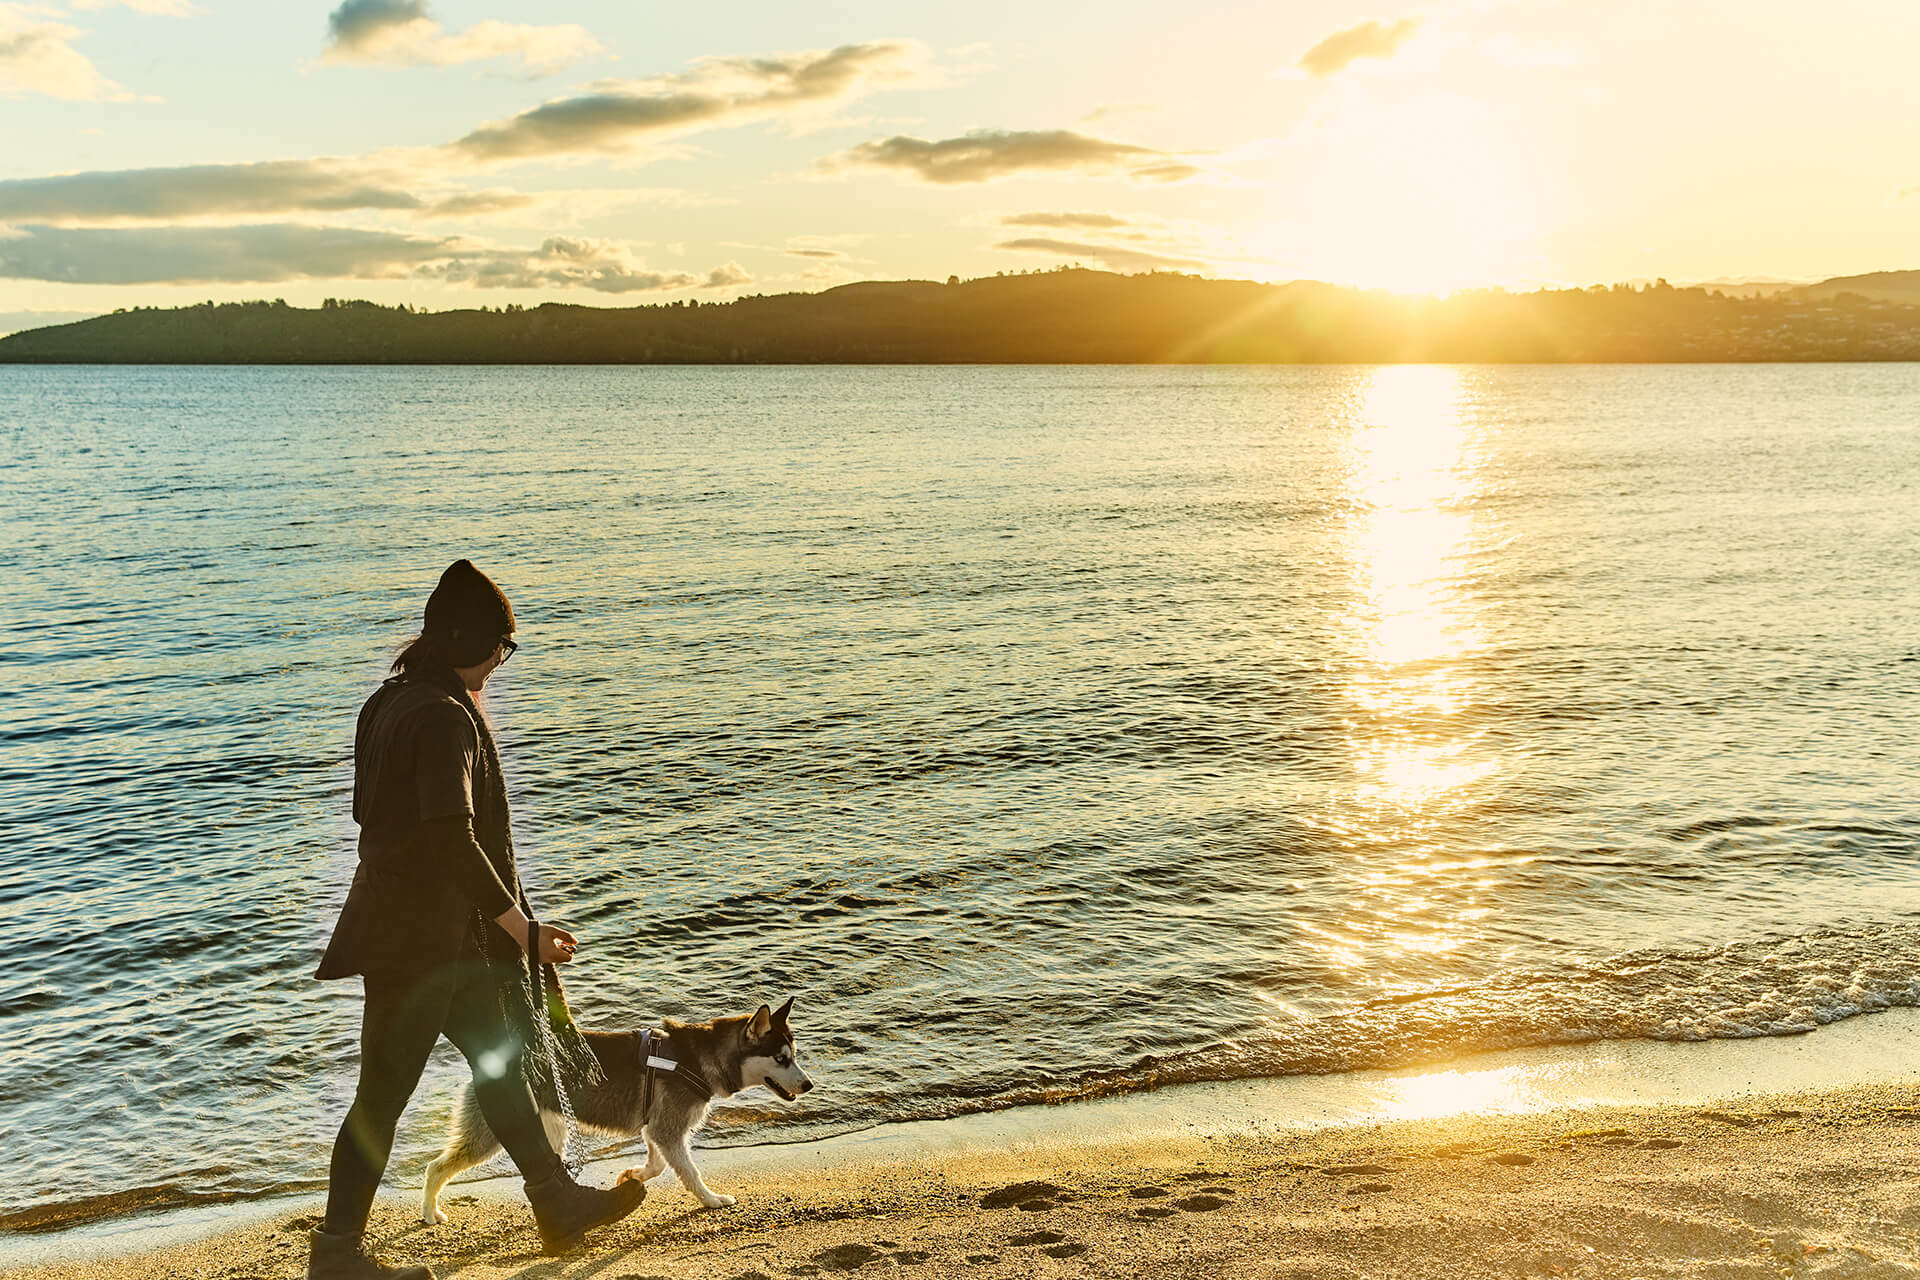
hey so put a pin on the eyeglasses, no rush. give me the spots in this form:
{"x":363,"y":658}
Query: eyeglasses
{"x":507,"y":649}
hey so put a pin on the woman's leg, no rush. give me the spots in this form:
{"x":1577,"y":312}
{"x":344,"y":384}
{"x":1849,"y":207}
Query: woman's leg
{"x":398,"y":1029}
{"x":478,"y":1029}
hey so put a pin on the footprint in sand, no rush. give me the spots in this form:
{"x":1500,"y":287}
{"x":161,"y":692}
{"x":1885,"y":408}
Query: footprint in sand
{"x":911,"y":1257}
{"x":982,"y":1259}
{"x":1040,"y":1195}
{"x":1340,"y":1170}
{"x":1200,"y":1204}
{"x":1153,"y":1211}
{"x":1065,"y":1251}
{"x":1514,"y":1158}
{"x":1367,"y":1187}
{"x":1036,"y":1237}
{"x":1733,"y":1118}
{"x":845,"y":1257}
{"x":1662,"y":1144}
{"x":1148,"y":1193}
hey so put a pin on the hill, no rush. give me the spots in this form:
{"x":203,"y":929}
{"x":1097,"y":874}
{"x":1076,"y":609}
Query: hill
{"x":1879,"y":286}
{"x":1066,"y":317}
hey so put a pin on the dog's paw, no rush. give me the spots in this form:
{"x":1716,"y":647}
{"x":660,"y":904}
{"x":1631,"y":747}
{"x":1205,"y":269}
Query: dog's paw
{"x":717,"y":1201}
{"x":434,"y":1217}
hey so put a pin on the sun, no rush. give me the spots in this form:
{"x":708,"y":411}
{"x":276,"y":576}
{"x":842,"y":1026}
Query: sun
{"x":1418,"y":196}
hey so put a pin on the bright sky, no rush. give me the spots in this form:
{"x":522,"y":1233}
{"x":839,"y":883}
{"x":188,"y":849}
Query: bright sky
{"x":483,"y":152}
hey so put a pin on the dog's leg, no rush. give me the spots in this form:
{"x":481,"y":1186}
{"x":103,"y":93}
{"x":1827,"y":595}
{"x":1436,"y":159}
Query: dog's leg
{"x":656,"y":1161}
{"x":679,"y":1154}
{"x":555,"y":1126}
{"x":469,"y":1142}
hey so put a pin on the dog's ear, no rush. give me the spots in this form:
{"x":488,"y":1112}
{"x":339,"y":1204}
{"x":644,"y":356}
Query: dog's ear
{"x":760,"y":1024}
{"x":780,"y":1014}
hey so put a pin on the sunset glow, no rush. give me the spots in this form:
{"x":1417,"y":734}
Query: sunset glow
{"x":163,"y":153}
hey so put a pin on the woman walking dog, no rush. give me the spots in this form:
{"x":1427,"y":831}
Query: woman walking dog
{"x":439,"y":930}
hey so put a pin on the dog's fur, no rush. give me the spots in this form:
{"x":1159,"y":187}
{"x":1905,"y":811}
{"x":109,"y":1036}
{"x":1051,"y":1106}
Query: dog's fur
{"x":743,"y":1051}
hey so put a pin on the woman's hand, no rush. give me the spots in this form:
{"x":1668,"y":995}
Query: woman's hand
{"x":556,"y":944}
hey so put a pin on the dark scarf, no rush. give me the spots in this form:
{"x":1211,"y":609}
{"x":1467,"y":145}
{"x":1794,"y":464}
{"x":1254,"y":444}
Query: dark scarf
{"x":514,"y":973}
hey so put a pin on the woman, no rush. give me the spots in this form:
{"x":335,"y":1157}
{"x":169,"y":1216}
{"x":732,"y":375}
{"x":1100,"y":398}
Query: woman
{"x":438,"y":928}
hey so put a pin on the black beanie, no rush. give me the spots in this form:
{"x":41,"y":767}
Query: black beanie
{"x":467,"y":609}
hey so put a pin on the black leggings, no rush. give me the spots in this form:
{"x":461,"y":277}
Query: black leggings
{"x":405,"y":1017}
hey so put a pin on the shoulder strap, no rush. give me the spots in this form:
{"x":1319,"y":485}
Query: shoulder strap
{"x":654,"y":1059}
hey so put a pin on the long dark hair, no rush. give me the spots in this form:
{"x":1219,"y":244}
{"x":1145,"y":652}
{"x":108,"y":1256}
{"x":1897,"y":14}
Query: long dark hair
{"x":442,"y":650}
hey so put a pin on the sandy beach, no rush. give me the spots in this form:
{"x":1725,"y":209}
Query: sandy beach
{"x":1806,"y":1184}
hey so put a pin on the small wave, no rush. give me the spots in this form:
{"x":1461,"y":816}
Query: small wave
{"x":62,"y":1215}
{"x":1782,"y":986}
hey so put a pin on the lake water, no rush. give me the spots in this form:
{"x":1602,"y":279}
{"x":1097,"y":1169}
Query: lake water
{"x":1045,"y":732}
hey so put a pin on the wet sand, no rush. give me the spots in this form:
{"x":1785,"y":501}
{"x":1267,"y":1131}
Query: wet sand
{"x":1809,"y":1184}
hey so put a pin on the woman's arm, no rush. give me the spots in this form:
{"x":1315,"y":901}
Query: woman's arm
{"x":451,"y":843}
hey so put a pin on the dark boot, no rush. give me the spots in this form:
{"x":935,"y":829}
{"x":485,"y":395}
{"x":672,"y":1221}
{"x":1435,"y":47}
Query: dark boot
{"x":346,"y":1258}
{"x":565,"y":1211}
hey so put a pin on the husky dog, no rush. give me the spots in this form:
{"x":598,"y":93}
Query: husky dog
{"x":659,"y":1084}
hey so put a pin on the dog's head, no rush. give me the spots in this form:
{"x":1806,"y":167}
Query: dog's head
{"x":769,"y":1056}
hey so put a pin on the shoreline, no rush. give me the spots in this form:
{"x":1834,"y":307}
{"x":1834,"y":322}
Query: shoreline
{"x":1852,"y":1077}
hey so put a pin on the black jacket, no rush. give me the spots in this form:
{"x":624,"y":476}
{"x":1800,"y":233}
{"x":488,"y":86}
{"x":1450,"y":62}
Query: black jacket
{"x":428,"y":885}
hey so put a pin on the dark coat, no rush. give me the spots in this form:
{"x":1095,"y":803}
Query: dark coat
{"x":422,"y":750}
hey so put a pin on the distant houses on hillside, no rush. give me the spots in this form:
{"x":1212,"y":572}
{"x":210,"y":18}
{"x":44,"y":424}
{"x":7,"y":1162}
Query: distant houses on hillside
{"x":1064,"y":316}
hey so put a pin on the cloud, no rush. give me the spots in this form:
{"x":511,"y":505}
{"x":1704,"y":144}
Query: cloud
{"x":404,"y":33}
{"x":988,"y":154}
{"x":478,"y":204}
{"x":1369,"y":39}
{"x":1102,"y":221}
{"x":271,"y":186}
{"x":718,"y":92}
{"x":212,"y":255}
{"x":326,"y":185}
{"x":559,"y":263}
{"x":1112,"y":255}
{"x":38,"y":57}
{"x":805,"y":252}
{"x":276,"y":252}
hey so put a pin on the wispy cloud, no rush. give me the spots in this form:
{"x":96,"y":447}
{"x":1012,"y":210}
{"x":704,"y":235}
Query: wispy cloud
{"x":190,"y":191}
{"x":1099,"y":221}
{"x":989,"y":154}
{"x":37,"y":56}
{"x":213,"y":255}
{"x":405,"y":33}
{"x":1371,"y":39}
{"x":559,"y":263}
{"x":718,"y":92}
{"x":277,"y":252}
{"x":323,"y":185}
{"x":1115,"y":256}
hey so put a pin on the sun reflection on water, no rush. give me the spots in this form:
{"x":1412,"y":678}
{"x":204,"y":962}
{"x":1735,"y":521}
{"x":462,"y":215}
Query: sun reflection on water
{"x":1414,"y":473}
{"x":1412,"y":480}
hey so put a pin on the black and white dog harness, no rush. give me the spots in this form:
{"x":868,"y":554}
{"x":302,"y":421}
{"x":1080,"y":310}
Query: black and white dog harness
{"x":655,"y":1054}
